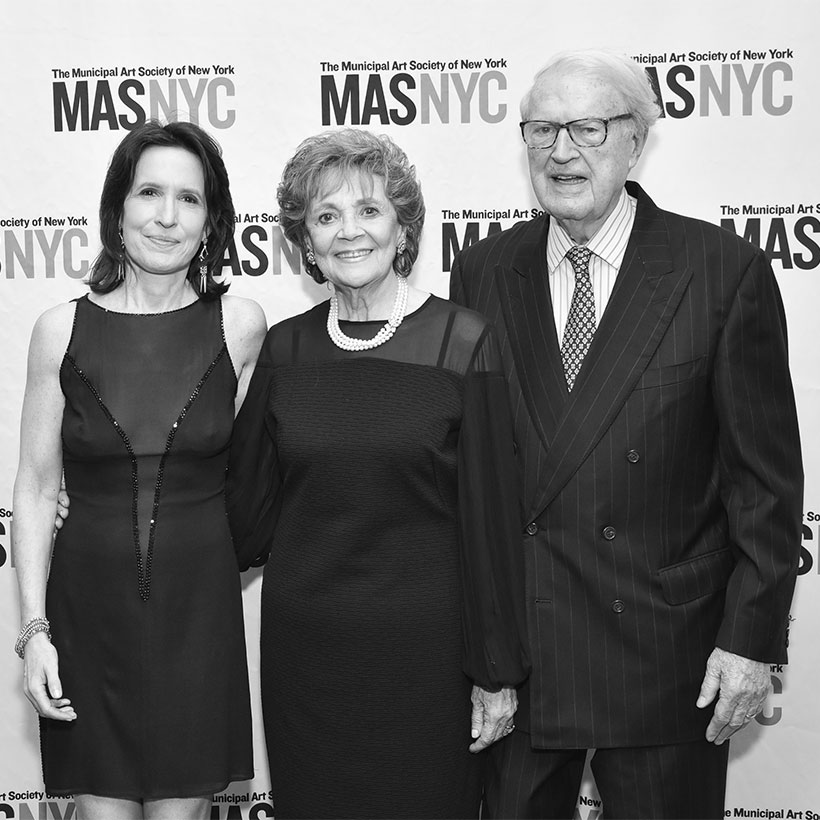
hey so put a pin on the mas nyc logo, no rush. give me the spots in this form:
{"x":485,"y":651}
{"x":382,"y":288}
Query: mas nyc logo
{"x":402,"y":92}
{"x":124,"y":97}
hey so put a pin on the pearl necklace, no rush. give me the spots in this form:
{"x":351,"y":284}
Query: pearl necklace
{"x":350,"y":343}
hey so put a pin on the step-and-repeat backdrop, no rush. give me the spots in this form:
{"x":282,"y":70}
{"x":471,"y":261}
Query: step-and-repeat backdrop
{"x":739,"y":85}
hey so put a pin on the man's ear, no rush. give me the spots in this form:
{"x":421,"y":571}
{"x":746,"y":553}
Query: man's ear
{"x":638,"y":143}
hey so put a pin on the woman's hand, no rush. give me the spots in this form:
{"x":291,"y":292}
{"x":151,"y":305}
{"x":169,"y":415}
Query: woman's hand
{"x":41,"y":683}
{"x":63,"y":502}
{"x":492,"y":716}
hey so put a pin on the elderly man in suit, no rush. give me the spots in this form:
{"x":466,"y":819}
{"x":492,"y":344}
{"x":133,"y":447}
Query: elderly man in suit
{"x":660,"y":464}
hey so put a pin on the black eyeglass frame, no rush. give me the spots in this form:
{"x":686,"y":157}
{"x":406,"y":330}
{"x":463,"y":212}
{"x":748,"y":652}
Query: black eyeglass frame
{"x":561,"y":125}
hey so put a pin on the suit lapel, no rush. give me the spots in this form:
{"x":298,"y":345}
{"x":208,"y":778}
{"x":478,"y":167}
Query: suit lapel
{"x":526,"y":304}
{"x":646,"y":295}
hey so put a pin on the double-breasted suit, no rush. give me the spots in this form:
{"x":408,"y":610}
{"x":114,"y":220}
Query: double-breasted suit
{"x":660,"y":499}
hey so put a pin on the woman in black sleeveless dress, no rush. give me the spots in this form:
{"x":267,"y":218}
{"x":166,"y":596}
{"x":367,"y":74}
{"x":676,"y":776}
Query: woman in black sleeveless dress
{"x":142,"y":688}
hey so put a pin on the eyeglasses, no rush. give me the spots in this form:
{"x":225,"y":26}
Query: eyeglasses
{"x":586,"y":133}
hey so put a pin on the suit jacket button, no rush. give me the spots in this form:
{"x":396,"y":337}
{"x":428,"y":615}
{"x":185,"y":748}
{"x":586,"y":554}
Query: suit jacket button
{"x":609,"y":533}
{"x":532,"y":528}
{"x":633,"y":456}
{"x":618,"y":607}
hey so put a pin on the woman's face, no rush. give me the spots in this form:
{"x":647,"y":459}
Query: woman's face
{"x":353,"y":230}
{"x":164,"y":214}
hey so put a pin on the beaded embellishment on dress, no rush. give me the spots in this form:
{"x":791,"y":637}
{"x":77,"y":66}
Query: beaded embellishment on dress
{"x":144,"y":567}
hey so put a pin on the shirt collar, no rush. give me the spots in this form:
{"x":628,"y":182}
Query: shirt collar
{"x":609,"y":242}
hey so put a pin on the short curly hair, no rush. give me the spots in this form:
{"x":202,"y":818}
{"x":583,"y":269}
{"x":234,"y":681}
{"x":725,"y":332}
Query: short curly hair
{"x":342,"y":153}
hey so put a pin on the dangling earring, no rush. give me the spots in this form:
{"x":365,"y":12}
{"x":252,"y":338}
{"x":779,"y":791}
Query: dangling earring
{"x":121,"y":267}
{"x":203,"y":268}
{"x":311,"y":259}
{"x":401,"y":247}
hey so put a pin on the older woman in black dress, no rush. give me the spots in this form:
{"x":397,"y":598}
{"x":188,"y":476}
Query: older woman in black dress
{"x":373,"y":465}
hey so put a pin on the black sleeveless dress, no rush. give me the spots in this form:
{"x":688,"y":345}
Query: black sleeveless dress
{"x":383,"y":485}
{"x":144,"y":595}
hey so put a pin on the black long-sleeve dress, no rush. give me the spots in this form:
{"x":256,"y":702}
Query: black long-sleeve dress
{"x":382,"y":486}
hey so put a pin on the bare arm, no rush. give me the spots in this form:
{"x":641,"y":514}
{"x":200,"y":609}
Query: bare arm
{"x":35,"y":501}
{"x":245,"y":328}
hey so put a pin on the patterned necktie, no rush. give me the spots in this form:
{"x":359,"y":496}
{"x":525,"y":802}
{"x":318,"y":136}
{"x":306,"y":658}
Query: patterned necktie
{"x":580,"y":326}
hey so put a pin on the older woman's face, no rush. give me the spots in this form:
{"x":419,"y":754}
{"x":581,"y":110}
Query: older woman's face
{"x":353,"y":230}
{"x":164,"y":213}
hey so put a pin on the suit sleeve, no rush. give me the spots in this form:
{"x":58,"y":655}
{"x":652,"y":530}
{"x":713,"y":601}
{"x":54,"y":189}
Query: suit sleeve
{"x":493,"y":616}
{"x":254,"y":484}
{"x":761,"y":470}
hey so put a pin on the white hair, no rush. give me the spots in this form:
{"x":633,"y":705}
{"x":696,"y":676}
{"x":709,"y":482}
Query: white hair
{"x":620,"y":71}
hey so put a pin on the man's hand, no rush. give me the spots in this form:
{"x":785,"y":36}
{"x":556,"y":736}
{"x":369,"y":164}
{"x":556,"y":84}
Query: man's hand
{"x":492,"y":716}
{"x":743,"y":685}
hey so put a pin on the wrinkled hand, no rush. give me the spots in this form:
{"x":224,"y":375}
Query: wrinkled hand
{"x":743,"y":685}
{"x":492,"y":716}
{"x":63,"y":502}
{"x":41,"y":683}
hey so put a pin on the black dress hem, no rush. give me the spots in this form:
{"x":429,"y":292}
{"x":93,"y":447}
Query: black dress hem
{"x":193,"y":791}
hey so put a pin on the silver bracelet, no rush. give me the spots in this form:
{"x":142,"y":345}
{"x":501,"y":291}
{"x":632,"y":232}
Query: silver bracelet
{"x":28,"y":631}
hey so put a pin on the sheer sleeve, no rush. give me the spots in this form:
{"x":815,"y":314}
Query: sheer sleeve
{"x":254,"y":483}
{"x":491,"y":555}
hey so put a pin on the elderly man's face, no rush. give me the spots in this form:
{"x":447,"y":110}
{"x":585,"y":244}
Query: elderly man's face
{"x":580,"y":186}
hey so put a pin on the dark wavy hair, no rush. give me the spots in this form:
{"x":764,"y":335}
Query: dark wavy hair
{"x":118,"y":180}
{"x":341,"y":153}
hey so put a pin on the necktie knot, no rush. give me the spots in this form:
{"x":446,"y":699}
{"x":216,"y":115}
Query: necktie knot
{"x":579,"y":257}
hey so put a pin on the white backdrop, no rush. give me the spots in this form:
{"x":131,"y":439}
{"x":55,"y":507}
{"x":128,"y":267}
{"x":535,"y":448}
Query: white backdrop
{"x":739,"y":83}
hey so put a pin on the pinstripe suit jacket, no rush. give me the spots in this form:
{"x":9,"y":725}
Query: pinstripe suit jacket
{"x":661,"y":499}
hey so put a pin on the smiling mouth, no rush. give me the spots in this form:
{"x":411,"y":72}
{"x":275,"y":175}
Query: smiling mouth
{"x":353,"y":254}
{"x":165,"y":241}
{"x":567,"y":179}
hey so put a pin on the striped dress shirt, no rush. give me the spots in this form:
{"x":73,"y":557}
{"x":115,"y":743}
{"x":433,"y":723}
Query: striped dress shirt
{"x":608,"y":247}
